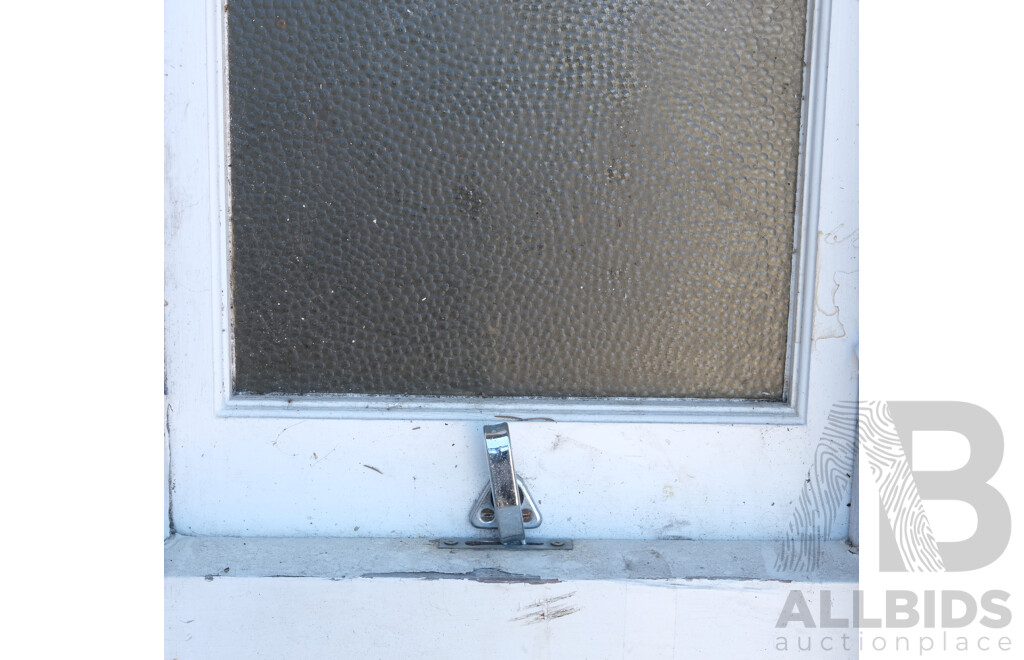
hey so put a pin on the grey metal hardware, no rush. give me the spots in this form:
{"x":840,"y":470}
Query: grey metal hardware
{"x":495,"y":544}
{"x":483,"y":514}
{"x":508,"y":510}
{"x":505,"y":504}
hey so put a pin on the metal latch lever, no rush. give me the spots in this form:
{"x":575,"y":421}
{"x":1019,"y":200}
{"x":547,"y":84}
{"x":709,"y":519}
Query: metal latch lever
{"x":505,"y":504}
{"x":508,"y":510}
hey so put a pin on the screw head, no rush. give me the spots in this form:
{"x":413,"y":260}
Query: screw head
{"x":450,"y":542}
{"x":558,"y":544}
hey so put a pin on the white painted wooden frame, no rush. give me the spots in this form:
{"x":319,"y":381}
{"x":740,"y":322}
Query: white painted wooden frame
{"x":341,"y":406}
{"x":412,"y":466}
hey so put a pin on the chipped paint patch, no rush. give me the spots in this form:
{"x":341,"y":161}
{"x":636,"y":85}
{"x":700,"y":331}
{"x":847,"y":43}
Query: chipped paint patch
{"x":485,"y":575}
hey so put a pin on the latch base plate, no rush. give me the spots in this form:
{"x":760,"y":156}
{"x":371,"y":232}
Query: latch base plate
{"x":482,"y":515}
{"x":495,"y":544}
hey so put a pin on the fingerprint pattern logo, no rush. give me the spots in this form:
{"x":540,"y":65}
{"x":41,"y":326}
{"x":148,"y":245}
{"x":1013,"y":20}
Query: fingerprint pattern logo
{"x":901,"y":502}
{"x":825,"y":494}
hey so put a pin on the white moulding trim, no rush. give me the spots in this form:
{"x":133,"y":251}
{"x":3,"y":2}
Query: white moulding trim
{"x":792,"y":410}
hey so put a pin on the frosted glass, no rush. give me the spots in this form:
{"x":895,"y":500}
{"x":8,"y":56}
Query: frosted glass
{"x":514,"y":198}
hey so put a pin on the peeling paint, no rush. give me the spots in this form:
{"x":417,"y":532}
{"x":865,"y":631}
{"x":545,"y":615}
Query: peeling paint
{"x":647,"y":565}
{"x":484,"y":575}
{"x":828,"y":323}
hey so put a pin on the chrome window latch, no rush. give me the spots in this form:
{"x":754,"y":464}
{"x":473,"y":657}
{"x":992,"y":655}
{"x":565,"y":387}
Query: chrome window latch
{"x":505,"y":503}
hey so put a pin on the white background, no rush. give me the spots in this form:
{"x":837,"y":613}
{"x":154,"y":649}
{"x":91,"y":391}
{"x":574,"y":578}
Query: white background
{"x":81,"y":198}
{"x":941,"y":248}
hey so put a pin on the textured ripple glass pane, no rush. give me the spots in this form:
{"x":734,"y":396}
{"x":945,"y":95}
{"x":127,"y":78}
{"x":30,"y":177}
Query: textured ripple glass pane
{"x":514,"y":198}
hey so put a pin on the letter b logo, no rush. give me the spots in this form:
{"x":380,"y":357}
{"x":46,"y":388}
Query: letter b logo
{"x":907,"y":543}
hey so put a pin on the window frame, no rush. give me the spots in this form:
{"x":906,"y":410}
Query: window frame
{"x":791,"y":410}
{"x":203,"y":412}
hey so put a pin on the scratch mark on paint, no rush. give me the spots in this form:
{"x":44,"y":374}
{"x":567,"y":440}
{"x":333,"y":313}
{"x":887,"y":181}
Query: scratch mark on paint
{"x":372,"y":468}
{"x":319,"y":459}
{"x":833,"y":237}
{"x":548,"y":609}
{"x":525,"y":419}
{"x":274,"y":443}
